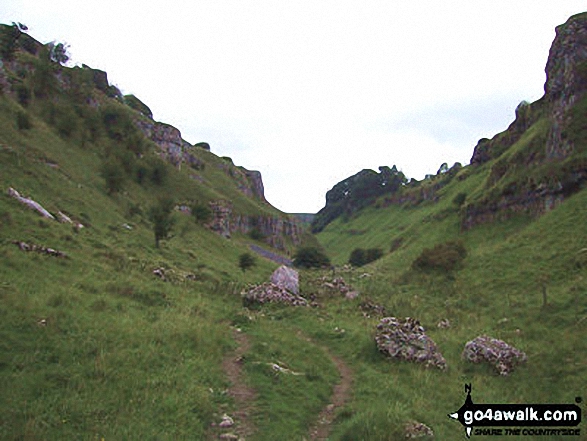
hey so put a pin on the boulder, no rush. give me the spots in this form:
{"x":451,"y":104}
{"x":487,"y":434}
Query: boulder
{"x":286,"y":278}
{"x":406,"y":340}
{"x":495,"y":352}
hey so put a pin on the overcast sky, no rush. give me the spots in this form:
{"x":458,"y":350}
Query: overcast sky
{"x":310,"y":92}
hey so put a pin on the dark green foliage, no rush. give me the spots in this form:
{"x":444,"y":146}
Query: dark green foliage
{"x":136,"y":104}
{"x":114,"y":175}
{"x":310,"y":257}
{"x":117,"y":123}
{"x":23,"y":94}
{"x":356,"y":192}
{"x":201,"y":212}
{"x":360,"y":256}
{"x":159,"y":172}
{"x":446,"y":256}
{"x":246,"y":261}
{"x":58,"y":53}
{"x":256,"y":234}
{"x":161,"y":215}
{"x":460,"y":199}
{"x":23,"y":120}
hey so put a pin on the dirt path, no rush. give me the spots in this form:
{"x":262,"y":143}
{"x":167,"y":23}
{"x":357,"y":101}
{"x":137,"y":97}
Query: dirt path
{"x":244,"y":396}
{"x":340,"y":395}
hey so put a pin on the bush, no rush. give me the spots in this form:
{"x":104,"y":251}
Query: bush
{"x":136,"y":104}
{"x":256,"y":234}
{"x":360,"y":256}
{"x":246,"y":261}
{"x":23,"y":120}
{"x":201,"y":212}
{"x":161,"y":215}
{"x":113,"y":174}
{"x":310,"y":257}
{"x":445,"y":256}
{"x":459,"y":199}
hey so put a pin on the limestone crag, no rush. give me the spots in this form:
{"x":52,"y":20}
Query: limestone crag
{"x":273,"y":229}
{"x":168,"y":138}
{"x":566,"y":73}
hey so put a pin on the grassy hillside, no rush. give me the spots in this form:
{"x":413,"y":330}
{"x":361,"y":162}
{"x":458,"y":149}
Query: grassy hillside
{"x":96,"y":346}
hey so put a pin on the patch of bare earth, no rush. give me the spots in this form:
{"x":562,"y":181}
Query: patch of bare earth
{"x":340,"y":395}
{"x":243,"y":395}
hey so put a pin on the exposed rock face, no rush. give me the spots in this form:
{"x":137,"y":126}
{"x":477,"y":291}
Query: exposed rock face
{"x":256,"y":184}
{"x":566,"y":82}
{"x":274,"y":229}
{"x":495,"y":352}
{"x":406,"y":340}
{"x":286,"y":278}
{"x":526,"y":115}
{"x":173,"y":148}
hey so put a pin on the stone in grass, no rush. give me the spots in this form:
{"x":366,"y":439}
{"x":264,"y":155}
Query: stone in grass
{"x":406,"y":340}
{"x":417,"y":430}
{"x":226,"y":422}
{"x":496,"y":352}
{"x":286,"y":278}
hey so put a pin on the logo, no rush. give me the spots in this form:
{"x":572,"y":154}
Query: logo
{"x":517,"y":417}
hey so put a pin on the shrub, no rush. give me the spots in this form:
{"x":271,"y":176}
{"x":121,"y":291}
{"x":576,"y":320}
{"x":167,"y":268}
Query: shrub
{"x":161,"y":215}
{"x":310,"y":257}
{"x":360,"y":256}
{"x":246,"y":261}
{"x":113,"y":174}
{"x":445,"y":256}
{"x":23,"y":120}
{"x":460,"y":199}
{"x":201,"y":212}
{"x":256,"y":234}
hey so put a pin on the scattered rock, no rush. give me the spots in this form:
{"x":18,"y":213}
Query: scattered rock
{"x":372,"y":309}
{"x":271,"y":293}
{"x":226,"y":422}
{"x":39,"y":249}
{"x":407,"y":341}
{"x":414,"y":429}
{"x":229,"y":436}
{"x":286,"y":278}
{"x":493,"y":351}
{"x":351,"y":295}
{"x":30,"y":203}
{"x":160,"y":272}
{"x":338,"y":285}
{"x":443,"y":324}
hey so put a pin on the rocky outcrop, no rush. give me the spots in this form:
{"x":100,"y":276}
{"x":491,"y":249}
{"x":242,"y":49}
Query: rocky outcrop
{"x":526,"y":115}
{"x":406,"y":340}
{"x":273,"y":229}
{"x":498,"y":353}
{"x":168,"y":138}
{"x":566,"y":83}
{"x":33,"y":205}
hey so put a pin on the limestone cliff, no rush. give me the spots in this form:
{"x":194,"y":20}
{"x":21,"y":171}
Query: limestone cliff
{"x":539,"y":160}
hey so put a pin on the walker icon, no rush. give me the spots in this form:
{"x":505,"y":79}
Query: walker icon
{"x":472,"y":415}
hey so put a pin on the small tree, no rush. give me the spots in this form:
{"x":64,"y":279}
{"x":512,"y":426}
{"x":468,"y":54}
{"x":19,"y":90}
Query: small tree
{"x":58,"y":52}
{"x":246,"y":261}
{"x":161,"y":215}
{"x":201,"y":213}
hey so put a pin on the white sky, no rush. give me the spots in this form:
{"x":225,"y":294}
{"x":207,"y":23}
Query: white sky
{"x":310,"y":92}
